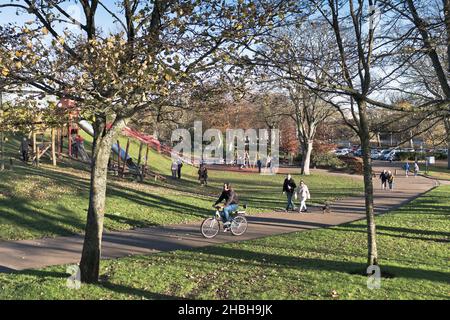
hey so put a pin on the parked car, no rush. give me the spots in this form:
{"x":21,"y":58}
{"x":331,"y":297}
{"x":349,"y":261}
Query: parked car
{"x":342,"y":152}
{"x":357,"y":153}
{"x":383,"y":154}
{"x":375,"y":154}
{"x":393,"y":155}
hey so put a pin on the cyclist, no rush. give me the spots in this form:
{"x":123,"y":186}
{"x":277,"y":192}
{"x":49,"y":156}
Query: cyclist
{"x":231,"y":203}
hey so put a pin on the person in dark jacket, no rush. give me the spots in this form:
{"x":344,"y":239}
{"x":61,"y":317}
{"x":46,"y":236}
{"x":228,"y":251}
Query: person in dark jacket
{"x":180,"y":165}
{"x":289,"y":188}
{"x":259,"y":164}
{"x":203,"y":175}
{"x":231,"y":203}
{"x":24,"y":149}
{"x":383,"y":178}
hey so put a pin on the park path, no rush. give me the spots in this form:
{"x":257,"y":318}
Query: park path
{"x":32,"y":254}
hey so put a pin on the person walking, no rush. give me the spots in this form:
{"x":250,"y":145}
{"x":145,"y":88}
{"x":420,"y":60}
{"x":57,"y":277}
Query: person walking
{"x":174,"y":169}
{"x":416,"y":169}
{"x":289,"y":189}
{"x":269,"y":164}
{"x":79,"y":143}
{"x":407,"y":166}
{"x":24,"y":149}
{"x":259,"y":165}
{"x":203,"y":175}
{"x":383,"y":178}
{"x":246,"y":160}
{"x":179,"y":166}
{"x":303,"y":195}
{"x":390,"y":180}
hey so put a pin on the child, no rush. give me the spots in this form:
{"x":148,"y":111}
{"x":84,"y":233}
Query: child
{"x":303,"y":194}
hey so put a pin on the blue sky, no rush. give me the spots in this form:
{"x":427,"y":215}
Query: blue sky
{"x":104,"y":19}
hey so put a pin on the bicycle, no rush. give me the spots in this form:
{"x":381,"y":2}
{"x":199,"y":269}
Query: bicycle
{"x":238,"y":224}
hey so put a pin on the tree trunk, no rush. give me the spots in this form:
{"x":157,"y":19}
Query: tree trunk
{"x":2,"y":138}
{"x":411,"y":142}
{"x":34,"y":147}
{"x":307,"y":158}
{"x":101,"y":150}
{"x":53,"y":147}
{"x":448,"y":153}
{"x":378,"y":140}
{"x":2,"y":151}
{"x":447,"y":131}
{"x":302,"y":152}
{"x":372,"y":254}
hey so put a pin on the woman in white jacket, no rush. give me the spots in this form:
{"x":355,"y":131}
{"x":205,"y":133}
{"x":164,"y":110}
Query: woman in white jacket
{"x":303,"y":195}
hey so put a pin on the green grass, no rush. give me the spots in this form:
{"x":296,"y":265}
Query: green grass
{"x":316,"y":264}
{"x":439,"y":172}
{"x":48,"y":202}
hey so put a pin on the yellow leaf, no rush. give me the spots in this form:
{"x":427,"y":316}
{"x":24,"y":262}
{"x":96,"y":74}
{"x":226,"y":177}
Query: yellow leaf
{"x":168,"y":77}
{"x":5,"y":72}
{"x":45,"y":30}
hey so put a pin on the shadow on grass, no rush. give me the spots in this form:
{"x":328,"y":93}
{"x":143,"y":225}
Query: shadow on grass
{"x":35,"y":273}
{"x":117,"y":288}
{"x":24,"y":214}
{"x":29,"y":213}
{"x":281,"y":261}
{"x":406,"y":233}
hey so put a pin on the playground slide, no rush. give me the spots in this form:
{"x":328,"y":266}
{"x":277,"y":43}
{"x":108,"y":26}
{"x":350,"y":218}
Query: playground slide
{"x":87,"y":127}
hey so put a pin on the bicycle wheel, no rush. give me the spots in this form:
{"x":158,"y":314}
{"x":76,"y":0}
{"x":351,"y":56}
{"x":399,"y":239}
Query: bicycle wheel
{"x":210,"y":227}
{"x":238,"y":226}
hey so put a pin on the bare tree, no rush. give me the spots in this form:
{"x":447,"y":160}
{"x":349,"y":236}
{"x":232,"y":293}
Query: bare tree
{"x":422,"y":31}
{"x":310,"y":112}
{"x":280,"y":61}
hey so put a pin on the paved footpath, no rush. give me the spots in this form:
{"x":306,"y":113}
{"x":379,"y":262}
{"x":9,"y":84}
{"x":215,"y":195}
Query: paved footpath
{"x":31,"y":254}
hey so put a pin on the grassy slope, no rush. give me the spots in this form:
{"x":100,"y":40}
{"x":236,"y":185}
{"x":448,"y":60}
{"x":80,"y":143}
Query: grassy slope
{"x":439,"y":172}
{"x":47,"y":201}
{"x":317,"y":264}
